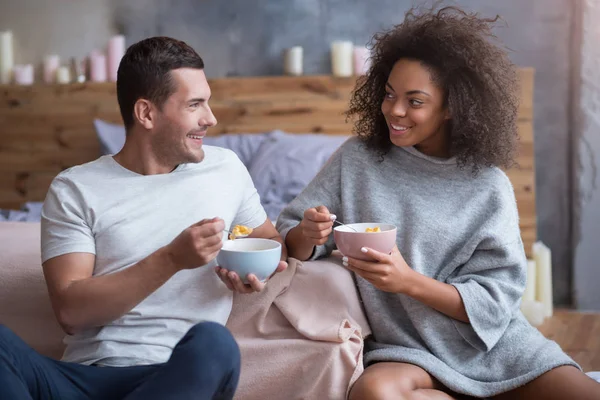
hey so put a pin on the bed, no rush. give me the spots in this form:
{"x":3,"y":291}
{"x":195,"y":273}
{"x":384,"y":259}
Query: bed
{"x":45,"y":129}
{"x":283,"y":129}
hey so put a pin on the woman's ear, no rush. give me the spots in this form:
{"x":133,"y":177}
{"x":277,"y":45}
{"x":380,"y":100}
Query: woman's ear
{"x":447,"y":114}
{"x":143,"y":112}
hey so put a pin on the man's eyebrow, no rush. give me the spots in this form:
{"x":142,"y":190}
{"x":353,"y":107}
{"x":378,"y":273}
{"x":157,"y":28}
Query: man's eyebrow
{"x":198,"y":100}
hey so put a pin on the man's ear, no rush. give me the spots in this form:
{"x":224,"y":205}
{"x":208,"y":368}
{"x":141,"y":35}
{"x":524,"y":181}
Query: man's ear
{"x":145,"y":113}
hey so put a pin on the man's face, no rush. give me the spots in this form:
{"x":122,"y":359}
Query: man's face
{"x":184,"y":119}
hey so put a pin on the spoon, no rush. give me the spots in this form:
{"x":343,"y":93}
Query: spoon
{"x":334,"y":219}
{"x":240,"y":236}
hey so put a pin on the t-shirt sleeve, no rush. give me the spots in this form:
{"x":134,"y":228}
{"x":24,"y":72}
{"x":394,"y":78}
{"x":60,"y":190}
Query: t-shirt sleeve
{"x":492,"y":281}
{"x":64,"y":227}
{"x":251,"y":212}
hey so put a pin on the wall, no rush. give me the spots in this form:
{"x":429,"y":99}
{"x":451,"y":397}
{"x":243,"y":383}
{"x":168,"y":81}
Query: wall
{"x":587,"y":148}
{"x":239,"y":37}
{"x":64,"y":27}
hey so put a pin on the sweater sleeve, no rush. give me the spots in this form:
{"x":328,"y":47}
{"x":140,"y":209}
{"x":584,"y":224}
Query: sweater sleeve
{"x":325,"y":190}
{"x":492,"y":281}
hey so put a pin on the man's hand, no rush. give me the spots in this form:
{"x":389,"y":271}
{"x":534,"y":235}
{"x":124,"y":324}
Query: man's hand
{"x":197,"y":245}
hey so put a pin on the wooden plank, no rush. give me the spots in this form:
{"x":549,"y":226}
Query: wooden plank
{"x":44,"y":161}
{"x":526,"y":79}
{"x":578,"y":334}
{"x":280,"y":88}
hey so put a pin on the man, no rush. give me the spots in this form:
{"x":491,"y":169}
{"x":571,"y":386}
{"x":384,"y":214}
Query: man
{"x":129,"y":245}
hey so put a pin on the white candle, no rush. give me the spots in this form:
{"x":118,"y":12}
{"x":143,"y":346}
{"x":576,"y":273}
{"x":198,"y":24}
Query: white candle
{"x":529,"y":293}
{"x":97,"y":67}
{"x":543,"y":262}
{"x":362,"y":60}
{"x":51,"y":64}
{"x":23,"y":74}
{"x":533,"y":312}
{"x":292,"y":61}
{"x":63,"y":75}
{"x":116,"y":51}
{"x":342,"y":54}
{"x":6,"y":57}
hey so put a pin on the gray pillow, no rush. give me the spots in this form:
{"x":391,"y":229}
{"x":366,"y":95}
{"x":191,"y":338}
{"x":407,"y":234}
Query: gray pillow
{"x":285,"y":163}
{"x":245,"y":145}
{"x":110,"y":136}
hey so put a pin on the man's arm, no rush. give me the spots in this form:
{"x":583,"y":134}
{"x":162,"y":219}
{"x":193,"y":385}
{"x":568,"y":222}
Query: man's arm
{"x":81,"y":300}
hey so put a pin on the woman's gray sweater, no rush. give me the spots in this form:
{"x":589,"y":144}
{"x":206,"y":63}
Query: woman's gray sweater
{"x":456,"y":227}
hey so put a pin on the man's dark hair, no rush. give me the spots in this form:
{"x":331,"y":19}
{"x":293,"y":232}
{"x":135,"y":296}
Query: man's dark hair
{"x":145,"y":72}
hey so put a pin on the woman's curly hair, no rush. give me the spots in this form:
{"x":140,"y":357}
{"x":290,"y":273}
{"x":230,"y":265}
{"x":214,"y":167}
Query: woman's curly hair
{"x":479,"y":81}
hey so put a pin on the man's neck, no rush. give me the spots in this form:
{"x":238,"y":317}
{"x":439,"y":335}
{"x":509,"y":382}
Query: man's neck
{"x":137,"y":156}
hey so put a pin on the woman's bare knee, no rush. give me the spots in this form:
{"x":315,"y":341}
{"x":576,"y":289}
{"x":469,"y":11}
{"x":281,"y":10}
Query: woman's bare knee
{"x":396,"y":381}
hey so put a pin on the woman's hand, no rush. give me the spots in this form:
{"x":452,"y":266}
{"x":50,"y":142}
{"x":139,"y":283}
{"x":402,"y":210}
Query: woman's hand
{"x":387,"y":272}
{"x":317,"y":225}
{"x":313,"y":230}
{"x":390,"y":273}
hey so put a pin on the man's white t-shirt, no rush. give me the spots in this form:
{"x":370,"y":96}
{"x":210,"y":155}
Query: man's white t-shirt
{"x":121,"y":216}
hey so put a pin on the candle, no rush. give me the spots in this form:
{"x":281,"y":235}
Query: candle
{"x":533,"y":312}
{"x":342,"y":58}
{"x":543,"y":262}
{"x":116,"y":51}
{"x":78,"y":70}
{"x":529,"y":293}
{"x":362,"y":61}
{"x":97,"y":67}
{"x":6,"y":57}
{"x":292,"y":61}
{"x":51,"y":64}
{"x":23,"y":74}
{"x":63,"y":75}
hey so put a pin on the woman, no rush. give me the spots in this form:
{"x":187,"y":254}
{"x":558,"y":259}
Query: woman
{"x":436,"y":121}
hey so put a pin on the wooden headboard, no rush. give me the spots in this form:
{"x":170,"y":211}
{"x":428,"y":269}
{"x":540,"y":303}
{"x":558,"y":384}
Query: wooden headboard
{"x":47,"y":128}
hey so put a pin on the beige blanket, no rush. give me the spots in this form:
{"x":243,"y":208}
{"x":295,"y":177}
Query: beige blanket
{"x":24,"y":302}
{"x":301,"y":338}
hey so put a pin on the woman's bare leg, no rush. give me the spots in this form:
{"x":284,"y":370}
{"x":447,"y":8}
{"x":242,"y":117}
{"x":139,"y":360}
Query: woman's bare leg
{"x":561,"y":383}
{"x":397,"y":381}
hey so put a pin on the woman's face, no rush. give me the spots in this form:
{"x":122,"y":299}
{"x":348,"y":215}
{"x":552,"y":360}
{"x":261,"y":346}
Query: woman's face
{"x":414,"y":109}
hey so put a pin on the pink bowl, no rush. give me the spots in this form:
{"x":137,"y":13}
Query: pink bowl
{"x":350,"y":242}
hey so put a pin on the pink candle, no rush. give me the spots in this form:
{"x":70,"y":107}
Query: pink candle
{"x":116,"y":51}
{"x":51,"y":64}
{"x":362,"y":61}
{"x":23,"y":74}
{"x":97,"y":66}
